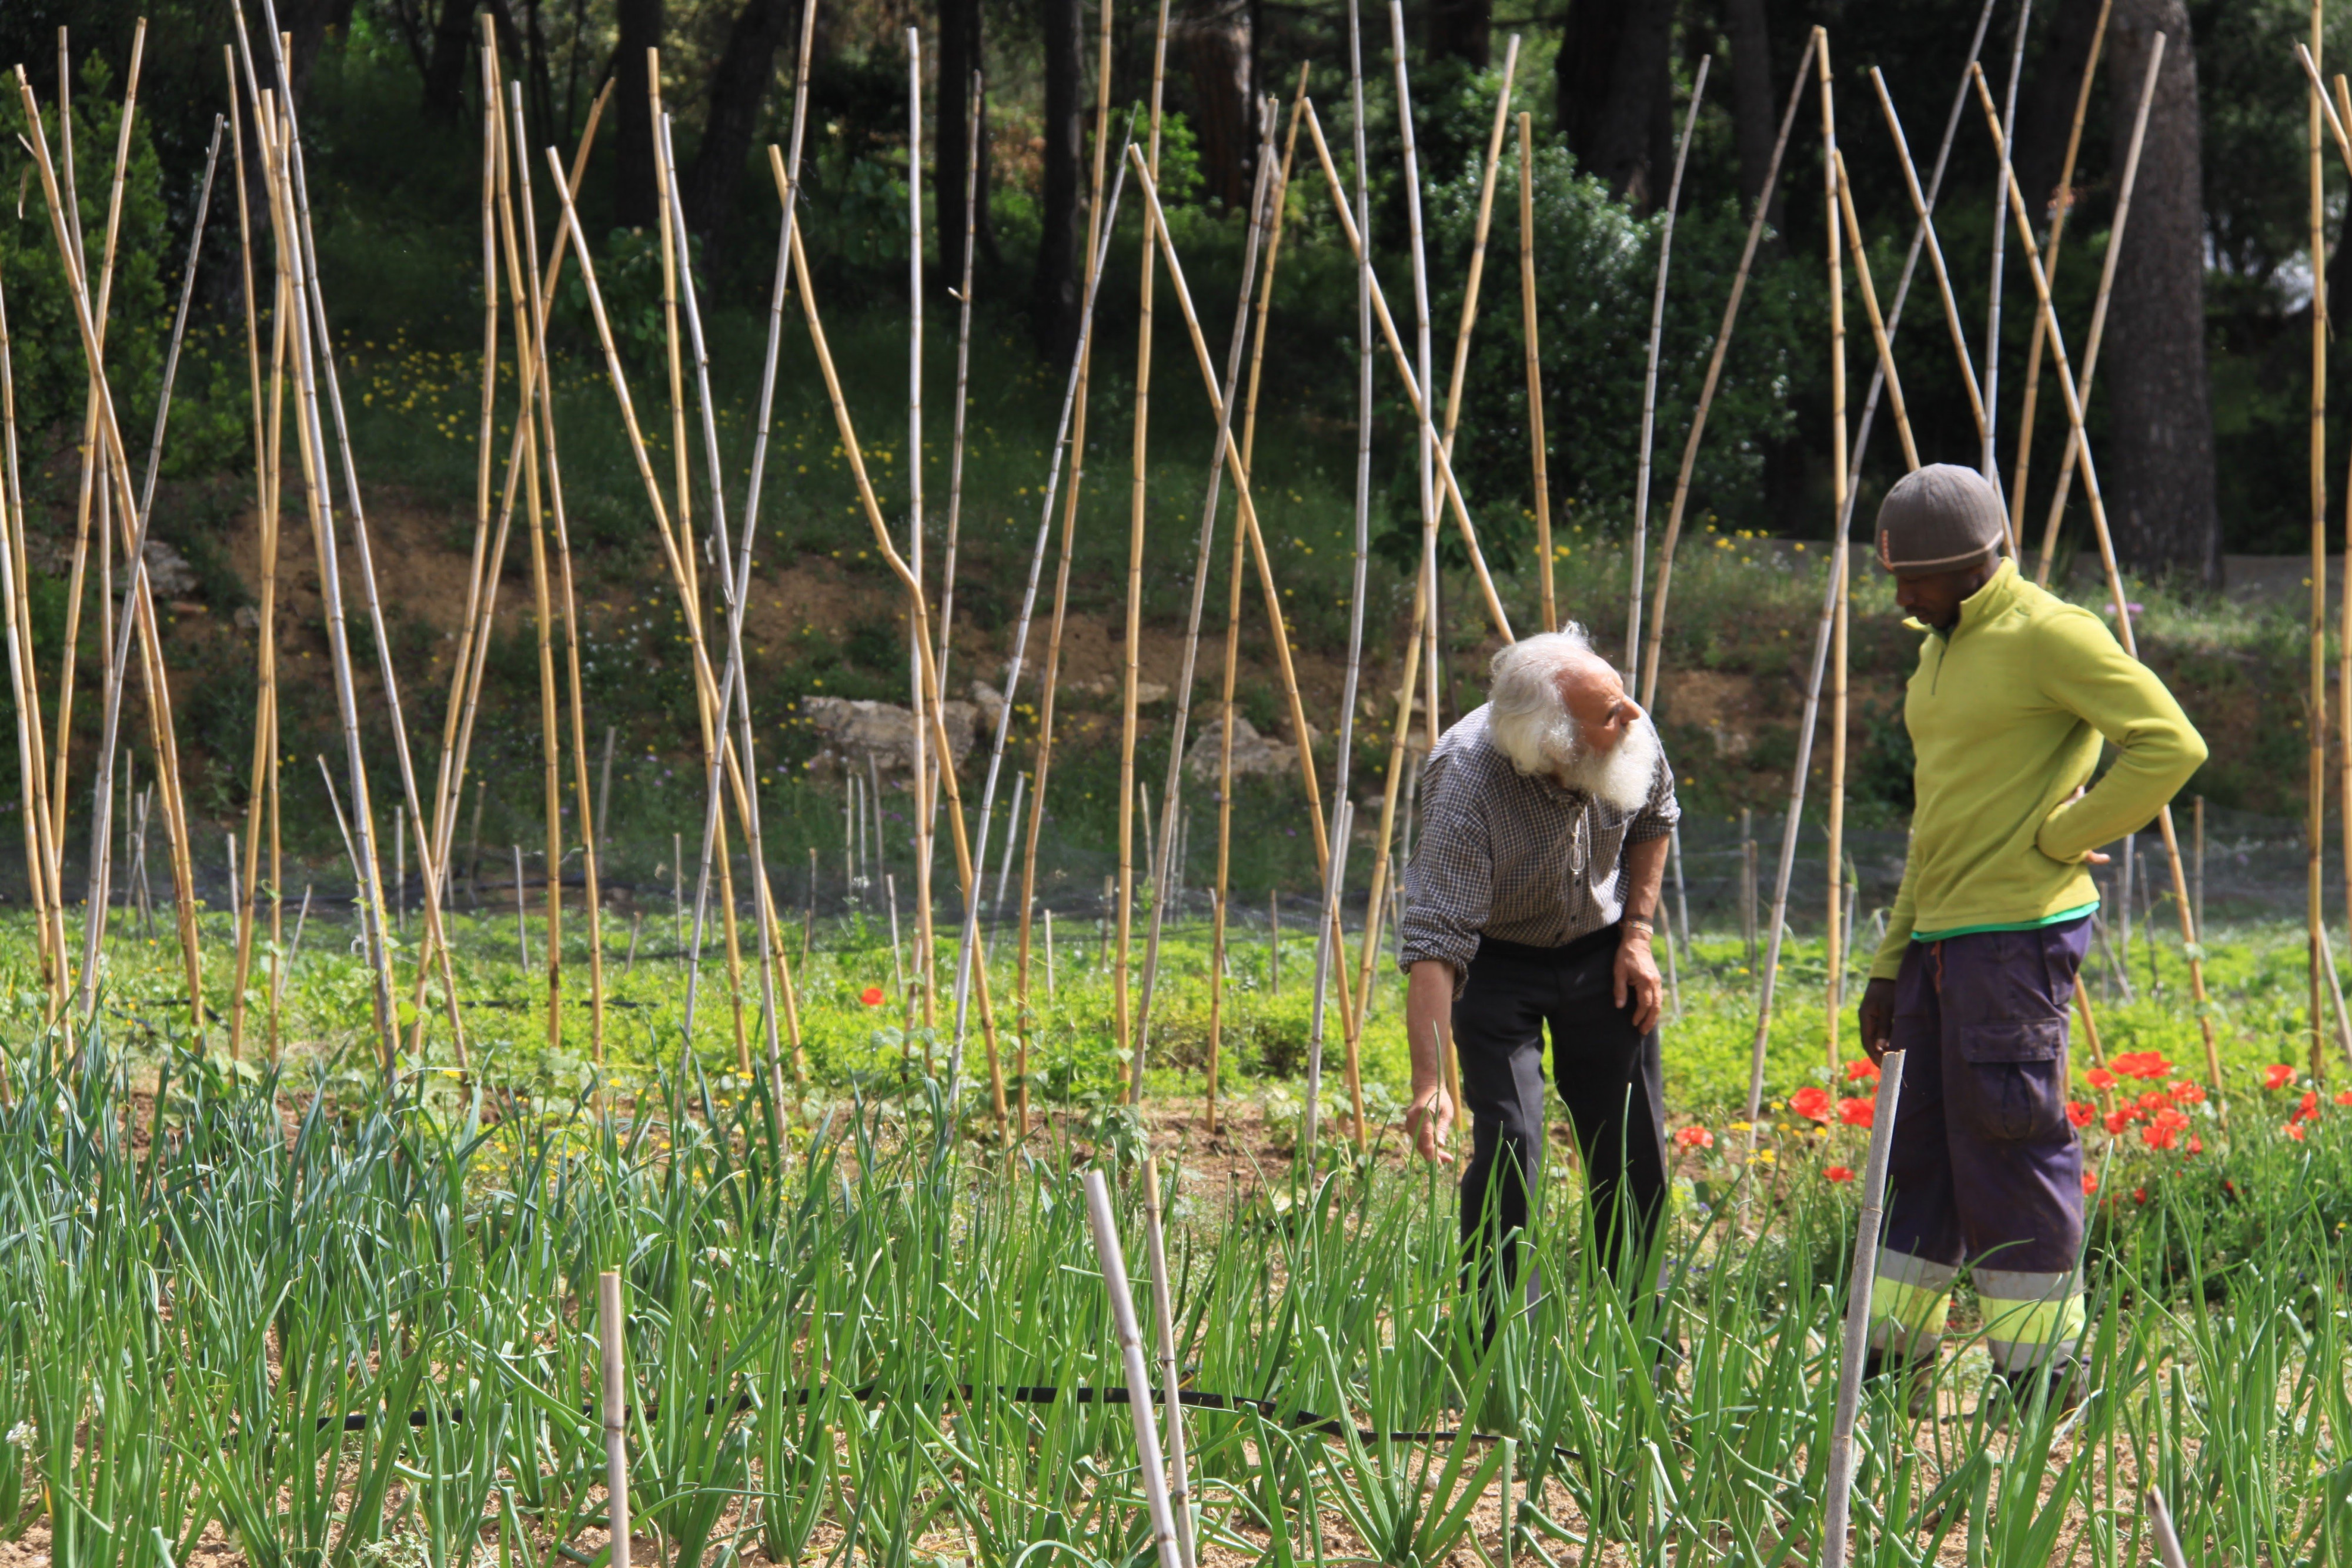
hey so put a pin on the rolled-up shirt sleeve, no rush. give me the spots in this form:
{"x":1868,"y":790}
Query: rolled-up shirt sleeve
{"x":1658,"y":816}
{"x":1449,"y":885}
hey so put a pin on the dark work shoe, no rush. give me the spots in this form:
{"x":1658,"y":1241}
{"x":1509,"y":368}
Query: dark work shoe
{"x":1915,"y":1381}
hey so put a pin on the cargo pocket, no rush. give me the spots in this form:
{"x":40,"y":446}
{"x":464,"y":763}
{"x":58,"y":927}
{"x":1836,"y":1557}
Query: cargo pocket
{"x":2015,"y":1074}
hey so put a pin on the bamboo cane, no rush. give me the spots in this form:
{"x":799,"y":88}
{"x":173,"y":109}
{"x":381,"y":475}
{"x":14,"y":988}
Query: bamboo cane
{"x":1172,"y":789}
{"x":1096,"y":236}
{"x":923,"y":793}
{"x":264,"y":747}
{"x":1838,"y":1492}
{"x":2107,"y":554}
{"x":2116,"y":225}
{"x":1444,"y":466}
{"x":611,"y":1330}
{"x":1163,"y":1321}
{"x":89,"y":464}
{"x":298,"y":255}
{"x":967,"y":872}
{"x":118,"y":662}
{"x":1878,"y":336}
{"x":1139,"y":1375}
{"x":1922,"y":210}
{"x":1279,"y":204}
{"x":1529,"y":336}
{"x":2063,"y":201}
{"x":1072,"y":406}
{"x":2343,"y":103}
{"x":1477,"y":242}
{"x":1122,"y":1019}
{"x":1649,"y":673}
{"x":735,"y":584}
{"x":1833,"y":179}
{"x":41,"y":860}
{"x":963,"y":368}
{"x":2315,"y":908}
{"x":783,"y":980}
{"x":534,"y":512}
{"x":591,"y":849}
{"x":1425,"y":437}
{"x":1638,"y":553}
{"x":1248,"y":518}
{"x":1991,"y":363}
{"x":468,"y":667}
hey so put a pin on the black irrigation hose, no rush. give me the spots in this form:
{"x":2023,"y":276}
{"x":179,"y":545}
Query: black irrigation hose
{"x":1302,"y":1421}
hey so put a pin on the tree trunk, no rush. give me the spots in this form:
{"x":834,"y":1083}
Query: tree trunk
{"x":1213,"y":39}
{"x":739,"y":91}
{"x":959,"y":56}
{"x":1754,"y":123}
{"x":445,"y":67}
{"x":1054,"y":296}
{"x":637,"y":198}
{"x":2157,"y":463}
{"x":1616,"y":96}
{"x":1462,"y":30}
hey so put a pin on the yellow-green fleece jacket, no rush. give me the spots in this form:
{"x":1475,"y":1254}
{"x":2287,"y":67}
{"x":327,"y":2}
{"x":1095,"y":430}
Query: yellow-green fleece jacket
{"x":2005,"y":711}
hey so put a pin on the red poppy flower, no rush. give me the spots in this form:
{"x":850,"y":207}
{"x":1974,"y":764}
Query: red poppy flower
{"x":2102,"y":1078}
{"x":2188,"y":1093}
{"x":2157,"y":1137}
{"x":1838,"y":1174}
{"x":2344,"y":1096}
{"x":2154,"y":1100}
{"x":2090,"y":1183}
{"x":2082,"y":1113}
{"x":2309,"y":1108}
{"x":2118,"y":1120}
{"x":2139,"y":1195}
{"x":2278,"y":1075}
{"x":2196,"y":1145}
{"x":1857,"y":1112}
{"x":1864,"y":1069}
{"x":2294,"y":1131}
{"x":1811,"y":1102}
{"x":2142,"y":1064}
{"x":871,"y":995}
{"x":1695,"y":1138}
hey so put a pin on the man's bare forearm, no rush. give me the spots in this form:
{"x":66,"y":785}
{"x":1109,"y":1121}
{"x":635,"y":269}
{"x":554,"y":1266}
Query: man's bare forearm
{"x":1642,"y":878}
{"x":1429,"y":1017}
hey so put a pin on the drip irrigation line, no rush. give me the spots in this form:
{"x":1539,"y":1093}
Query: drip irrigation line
{"x":1302,"y":1421}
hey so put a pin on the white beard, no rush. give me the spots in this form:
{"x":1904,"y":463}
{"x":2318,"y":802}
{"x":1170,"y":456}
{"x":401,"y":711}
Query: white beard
{"x":1621,"y":779}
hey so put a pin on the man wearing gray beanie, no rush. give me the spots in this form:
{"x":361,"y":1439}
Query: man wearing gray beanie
{"x":2014,"y":691}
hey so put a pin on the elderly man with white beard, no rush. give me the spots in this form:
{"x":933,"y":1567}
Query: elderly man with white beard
{"x":1529,"y":906}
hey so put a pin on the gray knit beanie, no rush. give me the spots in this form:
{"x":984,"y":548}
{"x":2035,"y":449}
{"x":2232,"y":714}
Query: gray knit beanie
{"x":1939,"y":519}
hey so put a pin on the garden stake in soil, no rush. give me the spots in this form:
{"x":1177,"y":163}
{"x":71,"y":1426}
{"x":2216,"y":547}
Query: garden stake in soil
{"x":1096,"y":236}
{"x":1841,"y":565}
{"x":1839,"y":1491}
{"x":40,"y":852}
{"x":1130,"y":1340}
{"x":2315,"y":714}
{"x":1531,"y":335}
{"x":1648,"y":674}
{"x":1637,"y":553}
{"x":2064,"y":488}
{"x":1991,"y":362}
{"x":1161,"y":856}
{"x":923,"y":793}
{"x":1422,"y":374}
{"x":1123,"y":1032}
{"x":2063,"y":204}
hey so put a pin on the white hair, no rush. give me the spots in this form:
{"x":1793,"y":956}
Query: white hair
{"x":1527,"y":714}
{"x":1528,"y":720}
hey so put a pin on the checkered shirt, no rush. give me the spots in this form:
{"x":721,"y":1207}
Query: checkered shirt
{"x":1521,"y":860}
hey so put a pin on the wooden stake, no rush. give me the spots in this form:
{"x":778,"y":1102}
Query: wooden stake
{"x":2064,"y":490}
{"x":1139,"y":1375}
{"x":1529,"y":335}
{"x":1279,"y":204}
{"x":2063,"y":204}
{"x":609,"y":1333}
{"x":1991,"y":363}
{"x":1053,"y":664}
{"x":1649,"y":674}
{"x":1638,"y":554}
{"x":1172,"y":1383}
{"x":1162,"y":854}
{"x":1122,"y":1020}
{"x":1838,"y":1489}
{"x":2316,"y":713}
{"x":1833,"y":178}
{"x":922,"y":796}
